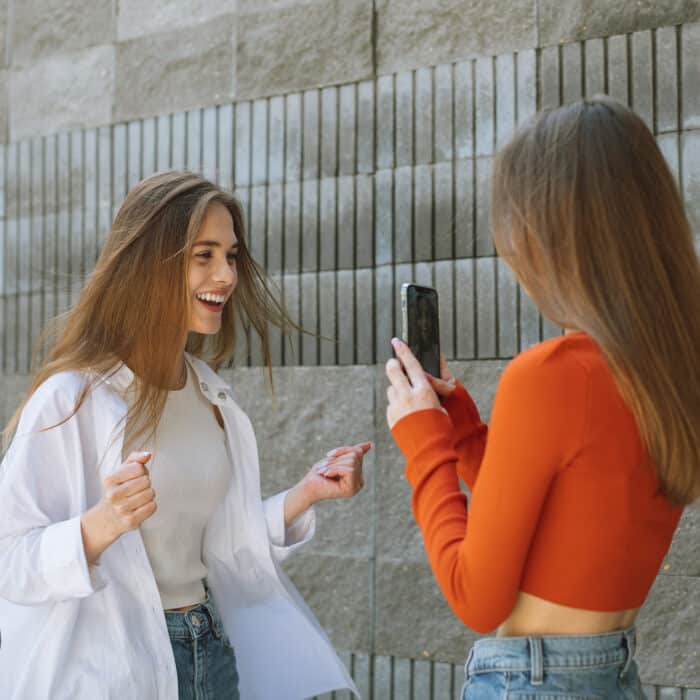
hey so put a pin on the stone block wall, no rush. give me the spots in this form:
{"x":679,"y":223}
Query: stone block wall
{"x":68,"y":64}
{"x":359,"y":137}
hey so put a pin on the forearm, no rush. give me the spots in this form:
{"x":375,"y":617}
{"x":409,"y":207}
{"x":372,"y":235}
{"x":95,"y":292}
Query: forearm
{"x":97,"y":536}
{"x":469,"y":435}
{"x":295,"y":503}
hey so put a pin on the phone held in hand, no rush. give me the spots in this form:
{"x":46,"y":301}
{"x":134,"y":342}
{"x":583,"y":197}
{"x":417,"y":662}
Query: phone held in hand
{"x":420,"y":327}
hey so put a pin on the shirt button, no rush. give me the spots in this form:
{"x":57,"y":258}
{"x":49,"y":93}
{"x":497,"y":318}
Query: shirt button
{"x":204,"y":386}
{"x":221,"y":395}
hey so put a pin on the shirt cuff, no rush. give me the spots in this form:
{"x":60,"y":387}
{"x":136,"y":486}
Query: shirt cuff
{"x":283,"y":540}
{"x":63,"y":562}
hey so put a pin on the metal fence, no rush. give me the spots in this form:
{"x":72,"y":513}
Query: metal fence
{"x":349,"y":190}
{"x":391,"y":678}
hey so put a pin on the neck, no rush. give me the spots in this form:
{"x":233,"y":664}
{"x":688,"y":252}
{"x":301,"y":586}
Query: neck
{"x":180,"y":374}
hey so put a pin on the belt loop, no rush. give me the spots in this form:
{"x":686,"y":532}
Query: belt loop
{"x":631,"y":644}
{"x":470,"y":656}
{"x":536,"y":661}
{"x":214,"y":622}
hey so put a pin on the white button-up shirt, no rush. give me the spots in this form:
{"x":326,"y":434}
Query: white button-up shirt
{"x":69,"y":630}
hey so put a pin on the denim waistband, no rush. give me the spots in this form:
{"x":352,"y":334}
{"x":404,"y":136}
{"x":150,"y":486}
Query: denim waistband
{"x":196,"y":622}
{"x":537,"y":654}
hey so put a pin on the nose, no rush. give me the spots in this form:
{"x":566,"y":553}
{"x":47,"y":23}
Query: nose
{"x":225,"y":274}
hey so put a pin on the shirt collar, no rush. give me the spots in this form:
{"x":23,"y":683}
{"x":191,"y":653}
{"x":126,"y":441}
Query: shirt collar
{"x":120,"y":377}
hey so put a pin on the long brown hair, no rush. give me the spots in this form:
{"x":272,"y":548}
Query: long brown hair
{"x":588,"y":215}
{"x":135,"y":305}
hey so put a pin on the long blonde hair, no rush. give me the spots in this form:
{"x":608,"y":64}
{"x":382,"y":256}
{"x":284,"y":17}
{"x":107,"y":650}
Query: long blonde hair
{"x":588,"y":215}
{"x":135,"y":305}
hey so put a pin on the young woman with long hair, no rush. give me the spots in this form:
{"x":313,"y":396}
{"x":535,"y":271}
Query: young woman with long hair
{"x":103,"y":594}
{"x":593,"y":447}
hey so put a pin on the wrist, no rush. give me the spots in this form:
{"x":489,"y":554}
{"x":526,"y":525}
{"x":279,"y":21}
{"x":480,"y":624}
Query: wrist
{"x":303,"y":495}
{"x":297,"y":501}
{"x":96,"y":532}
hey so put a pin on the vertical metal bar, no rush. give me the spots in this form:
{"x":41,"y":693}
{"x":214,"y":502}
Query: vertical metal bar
{"x":164,"y":148}
{"x":210,"y":144}
{"x":4,"y":263}
{"x":403,"y":116}
{"x":424,"y":106}
{"x":149,"y":142}
{"x":134,"y":147}
{"x":37,"y":244}
{"x":178,"y":141}
{"x":224,"y":149}
{"x":642,"y":88}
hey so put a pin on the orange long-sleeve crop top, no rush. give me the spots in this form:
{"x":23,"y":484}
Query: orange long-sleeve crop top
{"x":565,"y":503}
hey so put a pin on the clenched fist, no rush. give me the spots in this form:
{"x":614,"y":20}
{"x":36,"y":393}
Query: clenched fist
{"x":128,"y":499}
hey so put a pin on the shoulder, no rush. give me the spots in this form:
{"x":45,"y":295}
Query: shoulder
{"x":56,"y":397}
{"x":556,"y":370}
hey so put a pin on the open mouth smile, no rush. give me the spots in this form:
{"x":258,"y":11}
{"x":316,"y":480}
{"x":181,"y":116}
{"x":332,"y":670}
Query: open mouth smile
{"x":213,"y":302}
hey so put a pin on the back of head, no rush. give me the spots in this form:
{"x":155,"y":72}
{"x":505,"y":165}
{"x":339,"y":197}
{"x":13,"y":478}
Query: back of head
{"x":588,"y":215}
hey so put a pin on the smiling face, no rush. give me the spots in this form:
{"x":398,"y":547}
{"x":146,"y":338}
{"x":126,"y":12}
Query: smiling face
{"x":212,"y":273}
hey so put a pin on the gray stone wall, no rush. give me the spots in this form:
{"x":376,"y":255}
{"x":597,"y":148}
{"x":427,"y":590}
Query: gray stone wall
{"x":68,"y":64}
{"x":360,"y":142}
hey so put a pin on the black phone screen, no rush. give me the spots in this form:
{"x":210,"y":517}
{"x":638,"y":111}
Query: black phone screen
{"x":422,"y":333}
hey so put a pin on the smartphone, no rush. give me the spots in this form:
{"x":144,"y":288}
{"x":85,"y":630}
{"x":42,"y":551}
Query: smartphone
{"x":420,"y":327}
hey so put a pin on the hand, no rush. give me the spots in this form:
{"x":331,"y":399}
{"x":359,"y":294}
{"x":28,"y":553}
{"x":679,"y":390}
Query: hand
{"x":127,"y":501}
{"x":128,"y":497}
{"x":447,"y":382}
{"x":407,"y":394}
{"x":339,"y":475}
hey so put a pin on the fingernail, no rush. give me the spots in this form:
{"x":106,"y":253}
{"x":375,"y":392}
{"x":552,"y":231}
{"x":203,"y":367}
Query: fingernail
{"x":143,"y":454}
{"x":395,"y":342}
{"x":322,"y":465}
{"x":331,"y":453}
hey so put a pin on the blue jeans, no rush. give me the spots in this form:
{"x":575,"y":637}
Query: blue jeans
{"x":575,"y":667}
{"x":205,"y":661}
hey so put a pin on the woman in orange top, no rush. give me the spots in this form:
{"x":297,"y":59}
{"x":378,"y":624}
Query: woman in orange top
{"x":594,"y":443}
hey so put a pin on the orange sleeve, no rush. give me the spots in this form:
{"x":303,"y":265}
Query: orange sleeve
{"x":469,"y":435}
{"x":537,"y":427}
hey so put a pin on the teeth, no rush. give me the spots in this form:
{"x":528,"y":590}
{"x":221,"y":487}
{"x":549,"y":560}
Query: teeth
{"x":214,"y":298}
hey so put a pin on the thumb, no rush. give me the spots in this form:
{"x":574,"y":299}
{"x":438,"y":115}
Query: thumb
{"x":365,"y":447}
{"x":142,"y":457}
{"x":442,"y":388}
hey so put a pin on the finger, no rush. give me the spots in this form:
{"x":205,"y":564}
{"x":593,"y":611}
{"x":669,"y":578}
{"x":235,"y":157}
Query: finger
{"x":129,"y":488}
{"x":440,"y":385}
{"x":337,"y":471}
{"x":413,"y":368}
{"x":128,"y":471}
{"x":137,"y":516}
{"x":338,"y":451}
{"x":137,"y":500}
{"x":142,"y":457}
{"x":445,"y":373}
{"x":396,"y":376}
{"x":345,"y":461}
{"x":363,"y":447}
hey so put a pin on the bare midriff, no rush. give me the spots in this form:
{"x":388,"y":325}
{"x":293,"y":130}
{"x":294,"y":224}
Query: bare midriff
{"x":533,"y":616}
{"x":183,"y":609}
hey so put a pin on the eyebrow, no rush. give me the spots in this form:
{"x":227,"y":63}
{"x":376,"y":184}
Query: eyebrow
{"x":214,"y":244}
